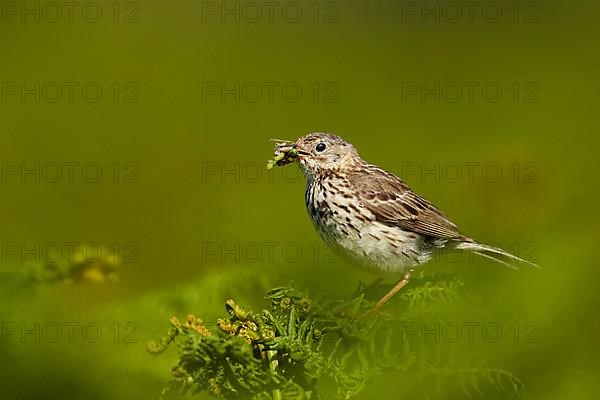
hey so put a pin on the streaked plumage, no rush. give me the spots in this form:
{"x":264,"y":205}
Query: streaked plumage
{"x":370,"y":214}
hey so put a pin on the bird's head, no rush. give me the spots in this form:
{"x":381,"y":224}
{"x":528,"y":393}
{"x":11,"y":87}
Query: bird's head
{"x":317,"y":153}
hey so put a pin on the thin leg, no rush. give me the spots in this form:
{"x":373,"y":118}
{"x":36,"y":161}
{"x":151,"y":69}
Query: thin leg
{"x":401,"y":283}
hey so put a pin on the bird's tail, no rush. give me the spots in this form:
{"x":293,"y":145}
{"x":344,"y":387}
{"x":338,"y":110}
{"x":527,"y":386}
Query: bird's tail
{"x":493,"y":253}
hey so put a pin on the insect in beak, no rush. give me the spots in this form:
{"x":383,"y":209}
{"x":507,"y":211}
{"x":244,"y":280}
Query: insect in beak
{"x":285,"y":153}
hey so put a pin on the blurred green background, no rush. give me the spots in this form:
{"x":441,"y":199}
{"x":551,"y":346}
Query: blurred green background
{"x":193,"y":213}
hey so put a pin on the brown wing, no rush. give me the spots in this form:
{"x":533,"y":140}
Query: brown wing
{"x":393,"y":203}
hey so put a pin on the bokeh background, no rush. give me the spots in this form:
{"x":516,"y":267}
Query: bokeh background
{"x":179,"y":132}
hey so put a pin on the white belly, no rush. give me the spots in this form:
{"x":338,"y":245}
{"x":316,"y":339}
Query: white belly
{"x":381,"y":249}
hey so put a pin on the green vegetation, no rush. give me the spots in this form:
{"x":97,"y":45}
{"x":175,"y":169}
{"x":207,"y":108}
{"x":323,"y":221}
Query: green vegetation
{"x":283,"y":351}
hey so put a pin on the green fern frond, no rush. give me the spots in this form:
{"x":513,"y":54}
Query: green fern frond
{"x":283,"y":351}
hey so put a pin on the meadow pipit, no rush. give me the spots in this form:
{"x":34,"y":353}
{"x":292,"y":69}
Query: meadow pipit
{"x":371,"y":215}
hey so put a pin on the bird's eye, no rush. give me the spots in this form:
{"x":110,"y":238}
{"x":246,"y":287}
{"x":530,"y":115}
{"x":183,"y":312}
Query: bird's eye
{"x":320,"y":147}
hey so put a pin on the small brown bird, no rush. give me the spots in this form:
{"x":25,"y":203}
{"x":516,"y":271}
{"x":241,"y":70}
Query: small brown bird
{"x":370,"y":214}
